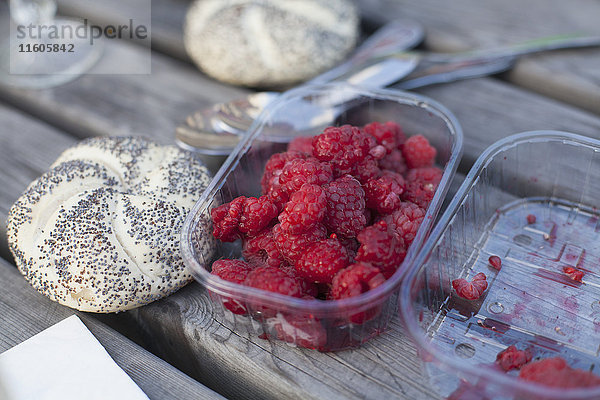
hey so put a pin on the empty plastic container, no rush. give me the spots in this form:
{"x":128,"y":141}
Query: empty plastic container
{"x":532,"y":200}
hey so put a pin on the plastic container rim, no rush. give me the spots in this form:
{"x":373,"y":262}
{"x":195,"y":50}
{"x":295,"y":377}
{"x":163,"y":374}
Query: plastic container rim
{"x":367,"y":299}
{"x":407,"y":313}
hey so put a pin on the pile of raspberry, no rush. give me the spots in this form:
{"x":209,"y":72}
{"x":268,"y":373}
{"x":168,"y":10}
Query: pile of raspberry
{"x":336,"y":215}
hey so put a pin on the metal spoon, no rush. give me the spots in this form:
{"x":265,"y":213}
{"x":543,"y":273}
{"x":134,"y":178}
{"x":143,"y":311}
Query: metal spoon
{"x":215,"y":130}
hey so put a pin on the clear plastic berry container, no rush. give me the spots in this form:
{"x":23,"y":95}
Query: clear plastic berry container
{"x":325,"y":325}
{"x":532,"y":199}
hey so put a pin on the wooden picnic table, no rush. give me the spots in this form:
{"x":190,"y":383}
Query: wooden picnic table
{"x":559,"y":91}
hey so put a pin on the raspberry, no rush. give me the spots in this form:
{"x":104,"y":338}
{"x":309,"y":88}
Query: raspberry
{"x":262,"y":250}
{"x":343,"y":147}
{"x":302,"y":330}
{"x":470,"y":290}
{"x":418,"y":152}
{"x":531,"y":219}
{"x":394,"y":161}
{"x":421,"y":184}
{"x":275,"y":165}
{"x":275,"y":280}
{"x":383,"y":194}
{"x":495,"y":262}
{"x":298,"y":172}
{"x":351,"y":244}
{"x":304,"y":210}
{"x":309,"y":289}
{"x":431,"y":175}
{"x":345,"y":206}
{"x":277,"y":193}
{"x":511,"y":358}
{"x":354,"y":280}
{"x":226,"y":219}
{"x":257,"y":214}
{"x":322,"y":260}
{"x":406,"y":221}
{"x":291,"y":246}
{"x":556,"y":373}
{"x":385,"y":134}
{"x":302,"y":144}
{"x":234,"y":271}
{"x":573,"y":273}
{"x":381,"y":247}
{"x":366,"y":170}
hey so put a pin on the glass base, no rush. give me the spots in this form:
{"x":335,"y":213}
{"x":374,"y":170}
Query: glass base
{"x":48,"y":58}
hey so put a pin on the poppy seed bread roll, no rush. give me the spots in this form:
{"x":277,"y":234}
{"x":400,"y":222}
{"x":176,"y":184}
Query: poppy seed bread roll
{"x":269,"y":43}
{"x":99,"y":231}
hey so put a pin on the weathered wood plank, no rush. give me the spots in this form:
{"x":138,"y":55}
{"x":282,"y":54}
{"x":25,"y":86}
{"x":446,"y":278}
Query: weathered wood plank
{"x":569,"y":76}
{"x":489,"y":110}
{"x":26,"y":313}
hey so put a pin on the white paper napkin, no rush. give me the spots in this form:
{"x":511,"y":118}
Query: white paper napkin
{"x":64,"y":362}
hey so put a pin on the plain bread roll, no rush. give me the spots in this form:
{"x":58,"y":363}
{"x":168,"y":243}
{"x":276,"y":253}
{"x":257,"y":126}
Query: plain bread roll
{"x":267,"y":43}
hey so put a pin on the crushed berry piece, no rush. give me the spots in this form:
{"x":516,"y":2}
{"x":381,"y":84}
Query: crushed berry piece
{"x":298,"y":172}
{"x":292,"y":246}
{"x":345,"y":206}
{"x":354,"y":280}
{"x":305,"y":209}
{"x":531,"y":219}
{"x":383,"y":194}
{"x":512,"y":358}
{"x":418,"y":152}
{"x":226,"y":219}
{"x":470,"y":290}
{"x":262,"y":250}
{"x":381,"y":247}
{"x":343,"y":147}
{"x":301,"y":144}
{"x":573,"y":273}
{"x":234,"y":271}
{"x":406,"y":221}
{"x":257,"y":214}
{"x":322,"y":260}
{"x":394,"y":161}
{"x":495,"y":262}
{"x":555,"y":372}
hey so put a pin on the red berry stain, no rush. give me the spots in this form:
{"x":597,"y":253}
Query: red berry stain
{"x":557,"y":277}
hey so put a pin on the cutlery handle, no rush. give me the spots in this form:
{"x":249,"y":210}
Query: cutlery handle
{"x":519,"y":49}
{"x":395,"y":36}
{"x":442,"y":68}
